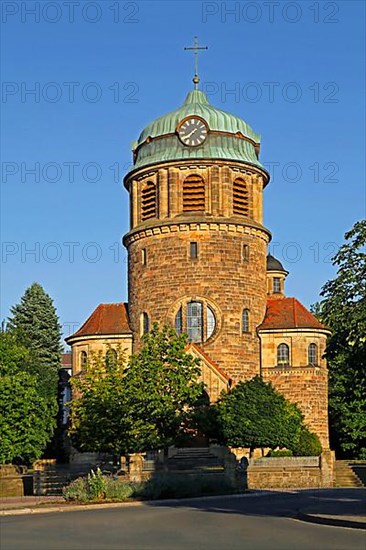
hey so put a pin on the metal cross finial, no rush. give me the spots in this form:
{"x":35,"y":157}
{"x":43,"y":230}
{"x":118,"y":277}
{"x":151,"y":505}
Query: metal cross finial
{"x":195,"y":49}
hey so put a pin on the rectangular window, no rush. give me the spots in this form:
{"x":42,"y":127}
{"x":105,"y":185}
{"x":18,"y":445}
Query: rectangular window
{"x":193,"y":194}
{"x":193,"y":250}
{"x":245,"y":253}
{"x":143,"y":256}
{"x":276,"y":285}
{"x":194,"y":321}
{"x":148,"y":201}
{"x":145,"y":323}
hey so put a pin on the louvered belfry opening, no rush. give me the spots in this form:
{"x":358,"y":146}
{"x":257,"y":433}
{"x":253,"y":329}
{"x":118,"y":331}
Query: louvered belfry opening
{"x":240,"y":198}
{"x":148,"y":201}
{"x":193,"y":194}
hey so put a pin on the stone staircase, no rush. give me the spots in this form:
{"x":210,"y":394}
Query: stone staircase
{"x":345,"y":475}
{"x":195,"y":461}
{"x":51,"y":481}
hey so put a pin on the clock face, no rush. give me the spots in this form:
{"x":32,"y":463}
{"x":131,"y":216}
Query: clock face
{"x":192,"y":131}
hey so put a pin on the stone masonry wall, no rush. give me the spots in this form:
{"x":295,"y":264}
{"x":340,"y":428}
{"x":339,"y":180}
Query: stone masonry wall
{"x":264,"y":478}
{"x":308,"y":387}
{"x":218,"y":276}
{"x":97,"y":344}
{"x":291,"y":472}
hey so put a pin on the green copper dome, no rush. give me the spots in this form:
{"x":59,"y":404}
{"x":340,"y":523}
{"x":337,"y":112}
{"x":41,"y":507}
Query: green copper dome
{"x":229,"y":137}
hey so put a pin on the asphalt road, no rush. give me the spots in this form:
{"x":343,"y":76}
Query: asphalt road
{"x":264,"y":521}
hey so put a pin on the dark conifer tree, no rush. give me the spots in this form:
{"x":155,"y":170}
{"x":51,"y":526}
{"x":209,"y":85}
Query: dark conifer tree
{"x":35,"y":325}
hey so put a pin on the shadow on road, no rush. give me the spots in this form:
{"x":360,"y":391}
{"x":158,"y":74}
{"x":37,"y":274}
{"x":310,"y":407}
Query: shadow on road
{"x":341,"y":503}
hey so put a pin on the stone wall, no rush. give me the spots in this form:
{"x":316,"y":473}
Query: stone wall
{"x":291,"y":472}
{"x":11,"y":484}
{"x":307,"y":387}
{"x":261,"y":473}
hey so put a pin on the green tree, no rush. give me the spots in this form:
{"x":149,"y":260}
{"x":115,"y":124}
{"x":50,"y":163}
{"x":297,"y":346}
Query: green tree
{"x":343,"y":309}
{"x":147,"y":404}
{"x":98,"y":410}
{"x":253,"y":414}
{"x":35,"y":325}
{"x":26,"y":424}
{"x":163,"y":390}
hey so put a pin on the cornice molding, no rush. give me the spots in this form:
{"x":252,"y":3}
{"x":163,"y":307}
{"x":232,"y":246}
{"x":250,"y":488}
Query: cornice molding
{"x":244,"y":167}
{"x":174,"y":226}
{"x":75,"y":339}
{"x":295,"y":370}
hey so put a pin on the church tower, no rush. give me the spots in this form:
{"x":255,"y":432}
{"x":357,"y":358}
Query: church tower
{"x":197,"y":245}
{"x":197,"y":261}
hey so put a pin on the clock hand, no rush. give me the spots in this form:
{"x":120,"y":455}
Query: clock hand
{"x":191,"y":133}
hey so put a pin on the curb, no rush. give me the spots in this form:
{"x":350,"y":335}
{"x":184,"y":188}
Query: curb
{"x":73,"y":508}
{"x":133,"y":503}
{"x":332,"y":521}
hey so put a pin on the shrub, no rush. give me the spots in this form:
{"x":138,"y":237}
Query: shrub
{"x":308,"y":444}
{"x":280,"y":452}
{"x":96,"y":487}
{"x":181,"y":486}
{"x":253,"y":414}
{"x":116,"y":489}
{"x":77,"y":490}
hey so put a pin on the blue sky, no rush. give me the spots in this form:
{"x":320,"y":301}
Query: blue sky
{"x":101,"y":71}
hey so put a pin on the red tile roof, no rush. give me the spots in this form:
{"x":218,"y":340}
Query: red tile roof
{"x":288,"y":313}
{"x":66,"y":360}
{"x":106,"y":319}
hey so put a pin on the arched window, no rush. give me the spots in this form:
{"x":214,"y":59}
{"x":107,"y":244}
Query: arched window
{"x":313,"y":354}
{"x":193,"y":194}
{"x":110,"y":358}
{"x":145,"y":323}
{"x":197,"y":319}
{"x":240,"y":197}
{"x":83,"y":359}
{"x":283,"y":354}
{"x":245,"y":321}
{"x":148,"y":201}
